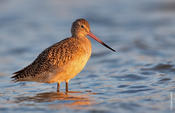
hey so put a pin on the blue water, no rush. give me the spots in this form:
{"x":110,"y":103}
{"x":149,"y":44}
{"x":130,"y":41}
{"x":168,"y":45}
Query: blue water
{"x":138,"y":78}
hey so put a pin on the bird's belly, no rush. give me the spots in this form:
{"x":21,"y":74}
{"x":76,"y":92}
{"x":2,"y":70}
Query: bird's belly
{"x":71,"y":69}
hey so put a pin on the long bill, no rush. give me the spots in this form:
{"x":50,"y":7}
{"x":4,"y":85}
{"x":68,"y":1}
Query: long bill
{"x":98,"y":40}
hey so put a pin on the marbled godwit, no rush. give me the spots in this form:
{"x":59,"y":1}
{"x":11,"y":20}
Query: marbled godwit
{"x":63,"y":60}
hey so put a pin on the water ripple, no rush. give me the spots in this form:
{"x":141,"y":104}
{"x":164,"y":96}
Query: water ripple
{"x":135,"y":90}
{"x":162,"y":68}
{"x":129,"y":77}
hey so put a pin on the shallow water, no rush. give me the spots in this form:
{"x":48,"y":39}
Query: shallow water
{"x":138,"y":78}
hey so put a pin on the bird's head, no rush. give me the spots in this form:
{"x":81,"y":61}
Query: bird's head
{"x":81,"y":28}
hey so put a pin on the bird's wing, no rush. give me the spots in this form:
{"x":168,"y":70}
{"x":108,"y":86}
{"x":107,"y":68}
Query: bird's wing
{"x":49,"y":60}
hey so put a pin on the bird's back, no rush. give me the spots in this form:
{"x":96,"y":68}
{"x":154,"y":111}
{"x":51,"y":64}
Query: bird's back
{"x":57,"y":62}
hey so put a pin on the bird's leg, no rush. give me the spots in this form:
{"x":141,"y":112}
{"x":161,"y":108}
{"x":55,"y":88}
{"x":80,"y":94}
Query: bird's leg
{"x":58,"y":87}
{"x":67,"y":86}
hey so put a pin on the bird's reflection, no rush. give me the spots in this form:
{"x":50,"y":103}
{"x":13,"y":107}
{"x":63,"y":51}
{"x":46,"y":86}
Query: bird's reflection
{"x":73,"y":99}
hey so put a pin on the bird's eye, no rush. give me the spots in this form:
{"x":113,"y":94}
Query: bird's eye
{"x":82,"y":26}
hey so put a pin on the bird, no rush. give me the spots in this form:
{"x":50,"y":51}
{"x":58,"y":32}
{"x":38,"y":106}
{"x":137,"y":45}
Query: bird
{"x":63,"y":60}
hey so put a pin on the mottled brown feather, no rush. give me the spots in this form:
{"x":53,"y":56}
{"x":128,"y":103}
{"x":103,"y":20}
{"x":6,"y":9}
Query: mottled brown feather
{"x":52,"y":58}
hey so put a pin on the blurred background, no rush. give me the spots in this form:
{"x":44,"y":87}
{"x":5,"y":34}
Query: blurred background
{"x":138,"y":78}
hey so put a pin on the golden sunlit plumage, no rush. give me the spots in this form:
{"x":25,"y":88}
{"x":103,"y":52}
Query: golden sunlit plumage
{"x":63,"y":60}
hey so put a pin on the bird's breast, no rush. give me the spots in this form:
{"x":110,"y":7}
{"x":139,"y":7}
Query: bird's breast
{"x":78,"y":52}
{"x":79,"y":59}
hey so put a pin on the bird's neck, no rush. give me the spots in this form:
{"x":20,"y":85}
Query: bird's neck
{"x":78,"y":35}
